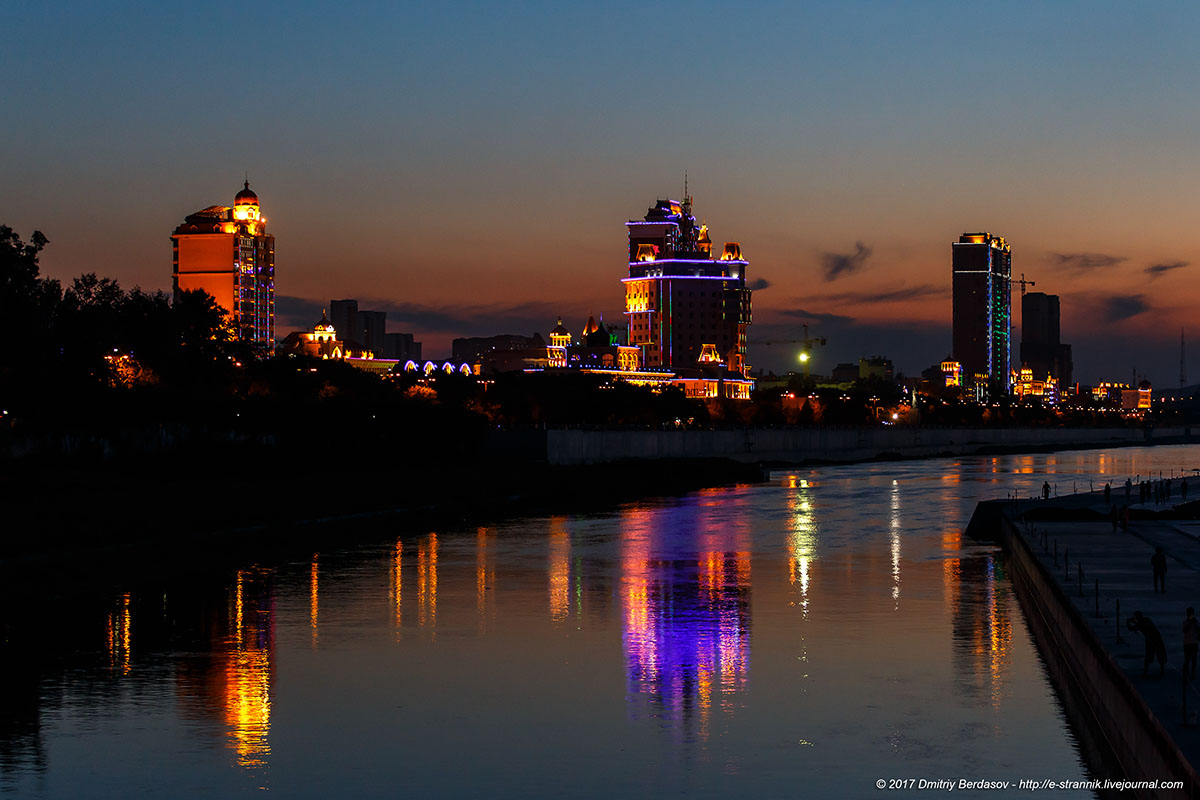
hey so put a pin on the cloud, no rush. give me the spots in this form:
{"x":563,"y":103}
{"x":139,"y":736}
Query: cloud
{"x":1158,"y":270}
{"x":1118,"y":307}
{"x":299,"y":308}
{"x":816,"y":316}
{"x":1083,"y":262}
{"x":889,"y":295}
{"x":759,"y":285}
{"x":837,"y":264}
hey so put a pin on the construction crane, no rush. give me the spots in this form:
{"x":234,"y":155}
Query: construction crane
{"x":1023,"y":283}
{"x":806,"y":344}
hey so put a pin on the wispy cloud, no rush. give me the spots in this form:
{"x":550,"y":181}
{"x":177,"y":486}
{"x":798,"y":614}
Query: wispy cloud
{"x":1115,"y":308}
{"x":838,"y":264}
{"x":759,"y":285}
{"x":815,"y":316}
{"x":1085,"y":262}
{"x":889,"y":295}
{"x":1158,"y":270}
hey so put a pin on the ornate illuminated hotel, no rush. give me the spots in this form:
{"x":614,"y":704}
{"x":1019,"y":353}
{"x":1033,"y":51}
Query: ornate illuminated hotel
{"x":228,"y":253}
{"x":686,"y":308}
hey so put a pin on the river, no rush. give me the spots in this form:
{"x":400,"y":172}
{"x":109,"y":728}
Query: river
{"x":804,"y":637}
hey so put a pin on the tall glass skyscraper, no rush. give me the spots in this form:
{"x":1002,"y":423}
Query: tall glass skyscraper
{"x":983,"y":311}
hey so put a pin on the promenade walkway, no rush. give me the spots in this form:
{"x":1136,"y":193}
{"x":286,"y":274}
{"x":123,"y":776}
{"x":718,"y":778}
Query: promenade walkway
{"x":1108,"y":576}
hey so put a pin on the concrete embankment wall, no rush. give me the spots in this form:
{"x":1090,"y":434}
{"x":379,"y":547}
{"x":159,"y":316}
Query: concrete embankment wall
{"x":1114,"y":722}
{"x":799,"y":445}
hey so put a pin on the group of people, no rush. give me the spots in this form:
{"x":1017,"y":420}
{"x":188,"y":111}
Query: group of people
{"x":1159,"y":491}
{"x":1157,"y":649}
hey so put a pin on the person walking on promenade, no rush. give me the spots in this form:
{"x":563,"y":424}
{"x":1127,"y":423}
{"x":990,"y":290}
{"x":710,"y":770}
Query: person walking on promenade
{"x":1183,"y":489}
{"x":1155,"y":647}
{"x":1191,"y":640}
{"x":1046,"y":490}
{"x":1158,"y":562}
{"x":1107,"y":493}
{"x":1128,"y":487}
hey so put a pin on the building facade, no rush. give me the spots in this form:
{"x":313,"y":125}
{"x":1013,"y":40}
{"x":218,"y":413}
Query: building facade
{"x":678,"y":297}
{"x":1041,"y":347}
{"x":982,"y":325}
{"x":228,"y":253}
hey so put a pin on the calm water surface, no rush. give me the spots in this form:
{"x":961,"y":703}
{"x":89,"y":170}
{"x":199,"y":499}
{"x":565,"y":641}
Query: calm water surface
{"x":800,"y":638}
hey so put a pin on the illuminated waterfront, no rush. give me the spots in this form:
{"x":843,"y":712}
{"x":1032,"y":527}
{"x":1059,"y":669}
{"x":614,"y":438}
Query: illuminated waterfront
{"x":803,"y":637}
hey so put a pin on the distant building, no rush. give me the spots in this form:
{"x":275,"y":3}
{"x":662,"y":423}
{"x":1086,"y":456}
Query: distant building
{"x":473,"y":349}
{"x":1137,"y":400}
{"x":366,"y":330}
{"x":1133,"y":401}
{"x":1026,"y":384}
{"x":982,"y":266}
{"x":599,"y":350}
{"x":876,"y":367}
{"x":228,"y":253}
{"x":678,"y":298}
{"x":1041,"y":347}
{"x":401,"y":346}
{"x":845,"y":373}
{"x":321,"y":342}
{"x":952,"y":372}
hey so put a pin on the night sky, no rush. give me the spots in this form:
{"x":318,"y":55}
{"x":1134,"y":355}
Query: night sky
{"x":469,"y":167}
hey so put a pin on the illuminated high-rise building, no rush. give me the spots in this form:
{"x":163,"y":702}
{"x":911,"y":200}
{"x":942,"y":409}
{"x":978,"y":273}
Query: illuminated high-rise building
{"x":228,"y":253}
{"x":983,"y":310}
{"x":678,"y":298}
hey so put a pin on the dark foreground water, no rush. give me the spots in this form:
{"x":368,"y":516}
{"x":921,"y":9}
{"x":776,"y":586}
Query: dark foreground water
{"x":802,"y":638}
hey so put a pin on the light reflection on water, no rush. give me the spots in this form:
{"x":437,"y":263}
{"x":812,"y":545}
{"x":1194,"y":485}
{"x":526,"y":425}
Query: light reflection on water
{"x":823,"y":630}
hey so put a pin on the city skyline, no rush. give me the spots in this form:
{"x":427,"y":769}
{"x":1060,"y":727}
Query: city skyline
{"x":470,"y":172}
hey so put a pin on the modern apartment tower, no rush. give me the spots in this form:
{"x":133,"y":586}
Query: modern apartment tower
{"x":228,"y":253}
{"x":983,"y":311}
{"x":679,"y":298}
{"x":1041,"y":347}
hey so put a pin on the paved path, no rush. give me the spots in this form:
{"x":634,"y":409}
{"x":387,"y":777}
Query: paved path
{"x":1120,"y":561}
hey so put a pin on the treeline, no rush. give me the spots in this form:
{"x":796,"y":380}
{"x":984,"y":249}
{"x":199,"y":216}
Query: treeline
{"x":63,"y":358}
{"x":100,"y":363}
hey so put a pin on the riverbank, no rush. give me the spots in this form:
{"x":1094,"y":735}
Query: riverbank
{"x":176,"y":503}
{"x":820,"y":445}
{"x":1079,"y":579}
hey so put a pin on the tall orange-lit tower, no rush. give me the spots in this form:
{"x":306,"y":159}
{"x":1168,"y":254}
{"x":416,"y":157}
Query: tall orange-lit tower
{"x":228,"y":253}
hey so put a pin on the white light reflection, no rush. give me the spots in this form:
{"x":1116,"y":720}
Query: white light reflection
{"x":894,"y":535}
{"x":802,"y":539}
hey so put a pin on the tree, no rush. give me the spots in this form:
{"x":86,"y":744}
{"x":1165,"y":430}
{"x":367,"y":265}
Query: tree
{"x":28,"y":304}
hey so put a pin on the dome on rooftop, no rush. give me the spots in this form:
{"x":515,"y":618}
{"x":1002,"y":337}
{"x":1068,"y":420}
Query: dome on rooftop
{"x":245,"y":197}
